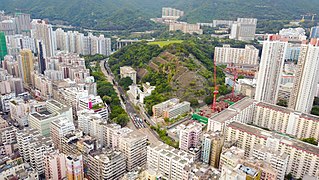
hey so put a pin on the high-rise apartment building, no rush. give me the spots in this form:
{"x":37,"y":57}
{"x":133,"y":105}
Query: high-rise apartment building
{"x":58,"y":129}
{"x":306,"y":78}
{"x":7,"y":26}
{"x":3,"y":46}
{"x":74,"y":167}
{"x":92,"y":124}
{"x":285,"y":120}
{"x":189,"y":136}
{"x":185,"y":27}
{"x":314,"y":33}
{"x":41,"y":119}
{"x":171,"y":13}
{"x":303,"y":157}
{"x":168,"y":161}
{"x":41,"y":58}
{"x":134,"y":147}
{"x":55,"y":167}
{"x":278,"y":160}
{"x":26,"y":65}
{"x":244,"y":29}
{"x":228,"y":55}
{"x":106,"y":164}
{"x":270,"y":70}
{"x":75,"y":42}
{"x":33,"y":147}
{"x":293,"y":52}
{"x":42,"y":31}
{"x":23,"y":23}
{"x":17,"y":42}
{"x":212,"y":144}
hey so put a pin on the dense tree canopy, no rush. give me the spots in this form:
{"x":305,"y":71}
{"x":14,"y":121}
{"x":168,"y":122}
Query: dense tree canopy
{"x":134,"y":15}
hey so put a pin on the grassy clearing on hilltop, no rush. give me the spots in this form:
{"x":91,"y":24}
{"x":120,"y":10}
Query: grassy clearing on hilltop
{"x":164,"y":43}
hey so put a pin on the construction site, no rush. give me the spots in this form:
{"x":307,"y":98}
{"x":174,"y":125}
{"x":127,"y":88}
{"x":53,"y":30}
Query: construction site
{"x":244,"y":71}
{"x":202,"y":114}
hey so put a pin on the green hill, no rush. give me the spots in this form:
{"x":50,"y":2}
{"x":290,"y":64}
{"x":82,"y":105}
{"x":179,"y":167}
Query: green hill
{"x":135,"y":14}
{"x":183,"y":70}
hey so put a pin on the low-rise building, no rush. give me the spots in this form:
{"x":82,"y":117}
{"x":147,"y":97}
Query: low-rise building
{"x":17,"y":169}
{"x":185,"y":27}
{"x":176,"y":110}
{"x":94,"y":103}
{"x":8,"y":135}
{"x":136,"y":95}
{"x":293,"y":34}
{"x":127,"y":71}
{"x":170,"y":108}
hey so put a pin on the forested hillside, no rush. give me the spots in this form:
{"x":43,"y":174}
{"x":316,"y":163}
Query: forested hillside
{"x":183,"y":70}
{"x":134,"y":14}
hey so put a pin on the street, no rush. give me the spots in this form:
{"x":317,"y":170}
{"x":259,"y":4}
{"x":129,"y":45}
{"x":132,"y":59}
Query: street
{"x":128,"y":107}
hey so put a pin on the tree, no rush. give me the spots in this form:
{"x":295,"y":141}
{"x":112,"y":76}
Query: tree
{"x":241,"y":77}
{"x":125,"y":82}
{"x":107,"y":99}
{"x":288,"y":176}
{"x":121,"y":119}
{"x":282,"y":102}
{"x":310,"y":140}
{"x":315,"y":110}
{"x":194,"y":102}
{"x":208,"y":100}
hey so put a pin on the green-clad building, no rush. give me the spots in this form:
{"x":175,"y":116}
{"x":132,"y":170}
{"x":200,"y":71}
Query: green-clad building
{"x":3,"y":46}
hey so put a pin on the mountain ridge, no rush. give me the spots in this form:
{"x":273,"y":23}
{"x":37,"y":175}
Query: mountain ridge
{"x":106,"y":14}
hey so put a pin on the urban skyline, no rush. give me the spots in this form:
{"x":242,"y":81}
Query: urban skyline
{"x":207,"y":100}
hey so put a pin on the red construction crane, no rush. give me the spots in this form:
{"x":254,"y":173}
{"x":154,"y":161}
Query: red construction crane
{"x":216,"y":88}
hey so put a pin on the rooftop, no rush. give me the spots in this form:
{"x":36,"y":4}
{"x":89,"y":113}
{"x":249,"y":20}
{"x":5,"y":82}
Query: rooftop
{"x":283,"y":139}
{"x":242,"y":104}
{"x":127,"y":69}
{"x":41,"y":115}
{"x":224,"y":116}
{"x":134,"y":135}
{"x":247,"y":170}
{"x":175,"y":154}
{"x":275,"y":107}
{"x":105,"y":155}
